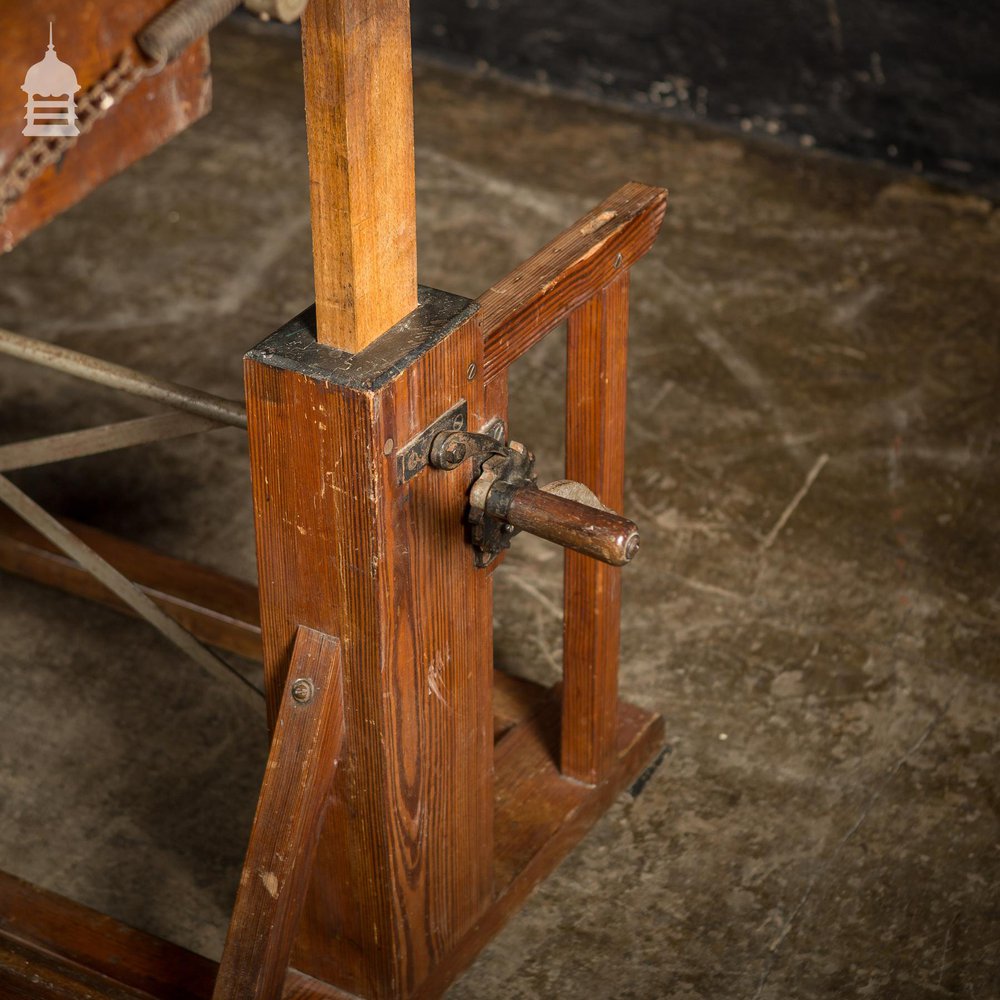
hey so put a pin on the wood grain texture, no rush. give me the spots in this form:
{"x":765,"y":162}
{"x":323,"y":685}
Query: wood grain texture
{"x":215,"y":608}
{"x":534,"y":298}
{"x":405,"y":863}
{"x":90,"y":38}
{"x":596,"y":385}
{"x":359,"y":117}
{"x":306,"y":746}
{"x":541,"y":816}
{"x":514,"y":700}
{"x":51,"y":946}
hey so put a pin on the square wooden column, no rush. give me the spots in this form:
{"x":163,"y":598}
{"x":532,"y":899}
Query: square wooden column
{"x":405,"y":863}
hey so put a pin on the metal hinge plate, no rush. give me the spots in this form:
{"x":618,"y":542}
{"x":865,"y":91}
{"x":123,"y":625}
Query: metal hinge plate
{"x":414,"y":456}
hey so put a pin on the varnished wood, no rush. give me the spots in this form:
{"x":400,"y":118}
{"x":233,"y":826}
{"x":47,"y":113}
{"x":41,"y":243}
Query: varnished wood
{"x":305,"y":750}
{"x":514,"y":701}
{"x":405,"y":864}
{"x":90,"y":38}
{"x":596,"y":380}
{"x":598,"y":534}
{"x":216,"y":608}
{"x":81,"y":949}
{"x":539,"y":294}
{"x":541,"y":816}
{"x":359,"y":119}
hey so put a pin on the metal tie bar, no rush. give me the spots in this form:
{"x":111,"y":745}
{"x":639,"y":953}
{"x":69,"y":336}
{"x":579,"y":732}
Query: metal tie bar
{"x":121,"y":586}
{"x":180,"y":397}
{"x":97,"y":440}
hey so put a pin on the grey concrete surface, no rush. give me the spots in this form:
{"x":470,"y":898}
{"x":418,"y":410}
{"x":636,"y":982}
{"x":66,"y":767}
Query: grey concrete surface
{"x":812,"y":459}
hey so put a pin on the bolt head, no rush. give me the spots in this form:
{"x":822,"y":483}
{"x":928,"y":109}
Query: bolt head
{"x":302,"y":690}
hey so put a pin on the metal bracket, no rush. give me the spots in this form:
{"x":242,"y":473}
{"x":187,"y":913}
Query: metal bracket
{"x":415,"y":455}
{"x":504,"y":498}
{"x":495,"y":465}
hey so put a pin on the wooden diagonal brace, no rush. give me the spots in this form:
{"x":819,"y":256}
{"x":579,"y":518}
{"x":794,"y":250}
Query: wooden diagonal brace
{"x":305,"y":752}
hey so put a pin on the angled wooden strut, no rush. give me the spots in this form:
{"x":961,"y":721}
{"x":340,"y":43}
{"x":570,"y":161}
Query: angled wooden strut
{"x":305,"y":749}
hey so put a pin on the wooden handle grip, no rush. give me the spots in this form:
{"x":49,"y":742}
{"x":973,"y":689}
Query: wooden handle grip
{"x":601,"y":534}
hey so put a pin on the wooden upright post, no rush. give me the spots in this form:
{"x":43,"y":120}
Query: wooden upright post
{"x":349,"y":547}
{"x":596,"y":382}
{"x":359,"y":117}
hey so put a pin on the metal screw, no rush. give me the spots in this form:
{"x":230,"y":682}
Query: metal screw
{"x":619,"y":260}
{"x":389,"y":445}
{"x":412,"y":461}
{"x":471,"y":371}
{"x":302,"y":690}
{"x":499,"y":431}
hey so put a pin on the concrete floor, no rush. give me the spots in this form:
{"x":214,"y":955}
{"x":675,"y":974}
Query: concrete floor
{"x":812,"y":460}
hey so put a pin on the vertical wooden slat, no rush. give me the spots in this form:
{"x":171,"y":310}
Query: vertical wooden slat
{"x":597,"y":352}
{"x":305,"y":750}
{"x":359,"y":117}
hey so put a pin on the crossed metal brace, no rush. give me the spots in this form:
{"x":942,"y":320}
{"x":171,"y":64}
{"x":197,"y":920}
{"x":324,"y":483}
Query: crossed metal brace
{"x":200,"y":411}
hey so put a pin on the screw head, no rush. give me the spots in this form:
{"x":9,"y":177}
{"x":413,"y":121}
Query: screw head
{"x":470,"y":373}
{"x":389,"y":445}
{"x":302,"y":690}
{"x":619,"y":260}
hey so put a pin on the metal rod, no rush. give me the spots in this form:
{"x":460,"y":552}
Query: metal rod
{"x":97,"y":440}
{"x":121,"y":586}
{"x":181,"y":397}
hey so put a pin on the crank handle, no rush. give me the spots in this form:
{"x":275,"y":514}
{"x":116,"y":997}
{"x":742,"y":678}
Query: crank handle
{"x":592,"y":530}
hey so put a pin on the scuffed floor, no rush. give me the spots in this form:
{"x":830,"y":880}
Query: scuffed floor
{"x":812,"y":460}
